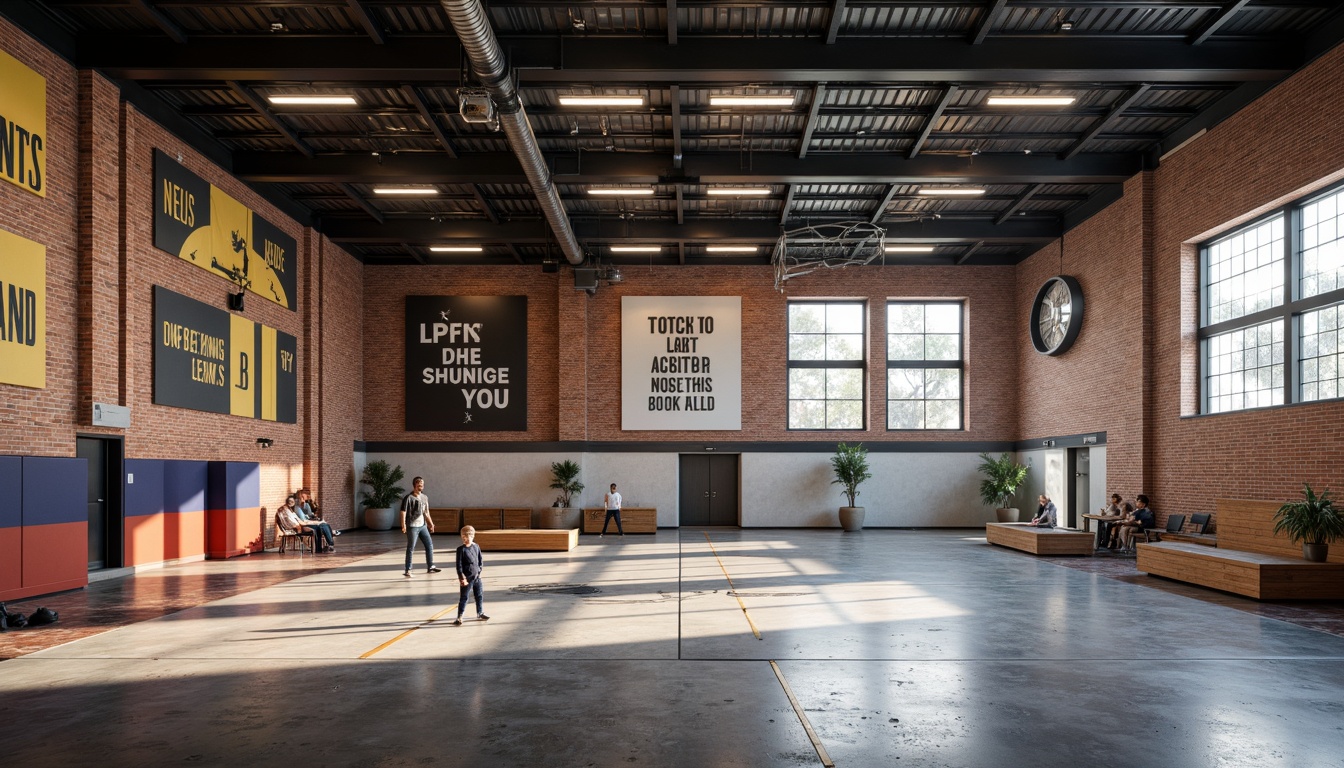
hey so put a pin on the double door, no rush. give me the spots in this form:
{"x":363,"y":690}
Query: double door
{"x":709,"y":493}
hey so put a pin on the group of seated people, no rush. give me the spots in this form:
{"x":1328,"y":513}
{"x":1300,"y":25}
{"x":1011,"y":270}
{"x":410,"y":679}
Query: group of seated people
{"x":1127,"y":521}
{"x":299,"y":515}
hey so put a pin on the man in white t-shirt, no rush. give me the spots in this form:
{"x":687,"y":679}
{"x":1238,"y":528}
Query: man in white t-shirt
{"x":612,"y":501}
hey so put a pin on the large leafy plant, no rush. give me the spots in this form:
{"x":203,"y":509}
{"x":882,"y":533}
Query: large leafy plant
{"x":1003,"y":476}
{"x":382,"y":479}
{"x":1313,"y":520}
{"x":850,"y":464}
{"x":564,"y":478}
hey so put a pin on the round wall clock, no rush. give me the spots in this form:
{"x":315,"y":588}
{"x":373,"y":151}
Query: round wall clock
{"x":1056,"y":315}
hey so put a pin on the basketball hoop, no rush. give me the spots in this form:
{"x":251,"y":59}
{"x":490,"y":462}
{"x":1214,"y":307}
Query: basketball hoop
{"x":827,"y":246}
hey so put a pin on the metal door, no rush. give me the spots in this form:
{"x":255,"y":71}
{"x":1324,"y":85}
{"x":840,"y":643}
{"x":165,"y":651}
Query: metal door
{"x":95,"y":452}
{"x":708,"y":492}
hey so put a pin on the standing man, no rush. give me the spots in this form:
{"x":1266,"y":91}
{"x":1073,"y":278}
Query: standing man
{"x":416,"y":523}
{"x":612,"y":501}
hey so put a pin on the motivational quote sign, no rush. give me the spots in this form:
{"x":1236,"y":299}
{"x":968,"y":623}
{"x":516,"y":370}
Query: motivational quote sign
{"x":466,"y":363}
{"x":681,"y":362}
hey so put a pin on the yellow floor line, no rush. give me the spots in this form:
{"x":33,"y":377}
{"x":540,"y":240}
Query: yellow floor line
{"x":740,"y":604}
{"x":798,"y":710}
{"x":429,"y":621}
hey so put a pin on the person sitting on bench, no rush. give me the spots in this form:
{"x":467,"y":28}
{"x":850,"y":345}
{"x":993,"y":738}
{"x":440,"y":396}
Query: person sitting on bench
{"x":291,"y":522}
{"x":1047,"y":515}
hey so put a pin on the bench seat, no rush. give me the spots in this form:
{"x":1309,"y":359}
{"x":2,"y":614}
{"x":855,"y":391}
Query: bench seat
{"x":1252,"y":574}
{"x":1040,"y":541}
{"x":1207,"y":539}
{"x":633,"y":520}
{"x":527,"y":540}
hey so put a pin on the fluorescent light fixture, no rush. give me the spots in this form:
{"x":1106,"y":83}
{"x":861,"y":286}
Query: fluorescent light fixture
{"x":621,"y":191}
{"x":951,"y":191}
{"x":731,"y":248}
{"x":456,"y":248}
{"x":739,"y":191}
{"x":602,"y":101}
{"x":425,"y":191}
{"x":337,"y":100}
{"x":908,"y":249}
{"x":751,"y":101}
{"x":1030,"y":101}
{"x":636,"y":248}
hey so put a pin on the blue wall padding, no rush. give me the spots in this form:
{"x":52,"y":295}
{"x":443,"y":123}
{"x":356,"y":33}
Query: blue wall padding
{"x":184,"y":485}
{"x":145,"y":495}
{"x":11,"y":491}
{"x":55,"y":490}
{"x":234,"y":485}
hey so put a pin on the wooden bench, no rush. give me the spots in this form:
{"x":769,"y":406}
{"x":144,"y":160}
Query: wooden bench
{"x":527,"y":540}
{"x":496,"y":518}
{"x":446,"y":519}
{"x":1040,"y":541}
{"x":633,"y":520}
{"x":1205,"y":539}
{"x":1253,"y":574}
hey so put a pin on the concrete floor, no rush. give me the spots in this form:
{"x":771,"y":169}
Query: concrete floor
{"x":902,"y":648}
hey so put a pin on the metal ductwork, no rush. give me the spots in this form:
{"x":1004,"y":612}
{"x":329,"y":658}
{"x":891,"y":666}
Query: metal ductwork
{"x":487,"y":60}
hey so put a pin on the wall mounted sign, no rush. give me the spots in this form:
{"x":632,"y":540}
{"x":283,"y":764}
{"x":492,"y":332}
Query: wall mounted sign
{"x":207,"y":359}
{"x":681,"y":362}
{"x":23,"y":312}
{"x":199,"y":223}
{"x":466,"y":363}
{"x":23,"y":126}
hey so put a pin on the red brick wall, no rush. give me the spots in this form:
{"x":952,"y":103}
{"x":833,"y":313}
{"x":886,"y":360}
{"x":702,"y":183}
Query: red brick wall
{"x":574,"y":340}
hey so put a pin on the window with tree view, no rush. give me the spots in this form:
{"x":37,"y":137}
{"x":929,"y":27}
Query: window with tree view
{"x":827,"y":350}
{"x":924,"y":365}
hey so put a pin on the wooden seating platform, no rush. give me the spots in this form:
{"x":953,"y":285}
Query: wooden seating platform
{"x":1040,"y":541}
{"x":633,"y":520}
{"x":1253,"y":574}
{"x":1205,"y":539}
{"x":527,"y":540}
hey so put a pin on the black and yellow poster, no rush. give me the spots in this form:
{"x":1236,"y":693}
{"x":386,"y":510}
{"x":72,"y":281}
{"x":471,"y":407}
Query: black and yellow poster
{"x":199,"y":223}
{"x":207,"y":359}
{"x":23,"y":126}
{"x":23,"y":312}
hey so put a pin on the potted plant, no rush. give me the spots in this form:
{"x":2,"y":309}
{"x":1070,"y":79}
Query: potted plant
{"x":850,"y":464}
{"x":1314,"y":521}
{"x":565,"y":479}
{"x":381,"y":499}
{"x":1003,"y":476}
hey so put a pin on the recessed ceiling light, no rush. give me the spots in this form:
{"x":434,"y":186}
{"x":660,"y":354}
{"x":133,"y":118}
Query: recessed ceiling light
{"x":951,"y":191}
{"x":456,"y":248}
{"x":636,"y":248}
{"x":751,"y":101}
{"x":602,"y":101}
{"x":620,"y":191}
{"x":425,"y":191}
{"x":739,"y":191}
{"x":908,"y":249}
{"x":731,"y":248}
{"x":347,"y":101}
{"x":1030,"y":101}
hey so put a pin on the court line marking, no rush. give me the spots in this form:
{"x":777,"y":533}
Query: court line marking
{"x":798,"y":710}
{"x":740,"y":604}
{"x":430,"y":620}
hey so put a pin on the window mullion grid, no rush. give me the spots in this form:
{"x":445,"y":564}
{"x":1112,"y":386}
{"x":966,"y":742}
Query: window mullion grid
{"x":1292,"y":272}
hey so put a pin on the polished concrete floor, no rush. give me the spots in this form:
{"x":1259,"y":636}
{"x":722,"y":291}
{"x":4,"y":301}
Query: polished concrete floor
{"x":717,"y":647}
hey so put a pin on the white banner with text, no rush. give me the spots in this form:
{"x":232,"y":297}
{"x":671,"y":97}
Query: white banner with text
{"x":681,"y":362}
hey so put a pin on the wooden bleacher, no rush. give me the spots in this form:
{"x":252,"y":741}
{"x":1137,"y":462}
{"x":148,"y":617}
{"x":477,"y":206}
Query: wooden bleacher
{"x":633,"y":520}
{"x":1040,"y":541}
{"x":1249,"y":558}
{"x":527,"y":540}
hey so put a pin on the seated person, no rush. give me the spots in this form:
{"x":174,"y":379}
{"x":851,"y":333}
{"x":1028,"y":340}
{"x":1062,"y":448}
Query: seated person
{"x":1047,"y":515}
{"x":290,"y":519}
{"x":1111,"y":510}
{"x":1141,"y":517}
{"x":306,"y":508}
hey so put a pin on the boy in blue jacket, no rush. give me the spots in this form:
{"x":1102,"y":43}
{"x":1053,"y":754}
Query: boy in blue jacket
{"x":469,"y":567}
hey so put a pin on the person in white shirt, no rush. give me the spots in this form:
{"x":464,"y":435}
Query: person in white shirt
{"x":612,"y":501}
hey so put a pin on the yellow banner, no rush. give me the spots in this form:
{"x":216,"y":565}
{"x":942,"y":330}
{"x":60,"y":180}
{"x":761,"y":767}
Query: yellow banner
{"x":23,"y":126}
{"x":23,"y":312}
{"x":243,"y":362}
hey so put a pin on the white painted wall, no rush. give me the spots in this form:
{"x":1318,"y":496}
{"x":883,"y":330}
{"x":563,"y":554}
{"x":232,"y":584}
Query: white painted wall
{"x":778,"y":489}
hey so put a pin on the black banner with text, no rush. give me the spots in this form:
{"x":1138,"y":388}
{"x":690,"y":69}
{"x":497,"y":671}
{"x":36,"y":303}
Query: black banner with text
{"x":466,"y":363}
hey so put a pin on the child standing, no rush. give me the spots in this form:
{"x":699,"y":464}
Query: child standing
{"x":469,"y":567}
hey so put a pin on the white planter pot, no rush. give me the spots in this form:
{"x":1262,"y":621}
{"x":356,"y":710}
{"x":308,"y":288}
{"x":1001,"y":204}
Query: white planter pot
{"x":851,"y":518}
{"x":1007,"y":514}
{"x":379,"y":519}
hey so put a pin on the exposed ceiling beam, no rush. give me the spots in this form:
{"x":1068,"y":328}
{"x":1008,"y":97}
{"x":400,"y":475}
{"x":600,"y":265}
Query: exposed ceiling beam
{"x":513,"y":250}
{"x":674,"y":97}
{"x":837,"y":20}
{"x":763,"y":231}
{"x":254,"y":101}
{"x":1021,"y":200}
{"x":987,"y":22}
{"x":932,"y":122}
{"x":418,"y":101}
{"x":1125,"y":103}
{"x":361,"y":15}
{"x":699,"y":60}
{"x":415,"y":253}
{"x":484,"y":204}
{"x":1220,"y":18}
{"x":704,"y":168}
{"x":818,"y":96}
{"x":681,"y":210}
{"x":353,"y":194}
{"x":881,"y":209}
{"x":964,"y":257}
{"x":162,"y":21}
{"x":788,"y":203}
{"x":671,"y":22}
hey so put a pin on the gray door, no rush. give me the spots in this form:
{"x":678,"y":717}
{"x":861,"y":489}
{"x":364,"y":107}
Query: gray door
{"x":1081,"y":486}
{"x":708,"y":493}
{"x":95,"y":452}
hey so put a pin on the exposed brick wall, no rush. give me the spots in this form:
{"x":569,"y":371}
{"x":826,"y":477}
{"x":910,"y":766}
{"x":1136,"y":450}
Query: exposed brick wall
{"x":586,"y":332}
{"x":340,"y":382}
